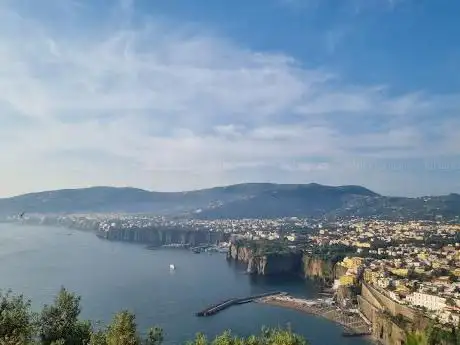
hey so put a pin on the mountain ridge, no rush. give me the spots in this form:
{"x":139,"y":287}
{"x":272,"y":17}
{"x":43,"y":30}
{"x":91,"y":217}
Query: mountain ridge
{"x":243,"y":200}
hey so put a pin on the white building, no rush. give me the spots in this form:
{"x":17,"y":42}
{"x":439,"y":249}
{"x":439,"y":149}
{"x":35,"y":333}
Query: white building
{"x":291,"y":237}
{"x":430,"y":302}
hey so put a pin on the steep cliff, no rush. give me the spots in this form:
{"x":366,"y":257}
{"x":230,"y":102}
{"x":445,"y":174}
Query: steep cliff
{"x":240,"y":252}
{"x":265,"y":263}
{"x":316,"y":267}
{"x":260,"y":262}
{"x":275,"y":264}
{"x":322,"y":269}
{"x":162,"y":236}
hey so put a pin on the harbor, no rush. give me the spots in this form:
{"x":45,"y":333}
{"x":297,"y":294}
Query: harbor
{"x":215,"y":308}
{"x":206,"y":248}
{"x":353,"y":322}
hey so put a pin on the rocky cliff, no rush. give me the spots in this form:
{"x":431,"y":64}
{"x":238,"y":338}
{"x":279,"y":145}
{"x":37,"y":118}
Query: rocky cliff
{"x":265,"y":263}
{"x":275,"y":264}
{"x":164,"y":236}
{"x":284,"y":262}
{"x":321,"y":269}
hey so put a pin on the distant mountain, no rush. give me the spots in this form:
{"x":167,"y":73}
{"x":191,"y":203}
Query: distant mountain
{"x":249,"y":200}
{"x":288,"y":200}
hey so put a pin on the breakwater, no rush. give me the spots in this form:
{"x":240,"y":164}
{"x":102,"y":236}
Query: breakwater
{"x":215,"y":308}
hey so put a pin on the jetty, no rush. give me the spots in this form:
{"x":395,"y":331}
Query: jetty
{"x":215,"y":308}
{"x":353,"y":324}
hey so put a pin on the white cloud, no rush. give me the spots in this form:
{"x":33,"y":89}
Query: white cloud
{"x":167,"y":108}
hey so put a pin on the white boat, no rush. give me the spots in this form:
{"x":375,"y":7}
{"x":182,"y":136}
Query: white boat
{"x":172,"y":267}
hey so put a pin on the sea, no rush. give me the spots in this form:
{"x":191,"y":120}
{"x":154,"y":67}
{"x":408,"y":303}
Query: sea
{"x":112,"y":276}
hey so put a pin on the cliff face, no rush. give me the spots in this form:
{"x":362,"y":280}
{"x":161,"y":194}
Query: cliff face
{"x":162,"y":236}
{"x":345,"y":295}
{"x":240,"y":253}
{"x":326,"y":270}
{"x":276,"y":263}
{"x":316,"y":267}
{"x":265,"y":264}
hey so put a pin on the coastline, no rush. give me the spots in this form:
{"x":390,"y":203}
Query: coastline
{"x":352,"y":323}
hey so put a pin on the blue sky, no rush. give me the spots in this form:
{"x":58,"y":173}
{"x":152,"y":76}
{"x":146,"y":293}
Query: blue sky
{"x":178,"y":95}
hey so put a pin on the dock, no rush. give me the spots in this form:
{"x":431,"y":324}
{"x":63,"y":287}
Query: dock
{"x":353,"y":324}
{"x":215,"y":308}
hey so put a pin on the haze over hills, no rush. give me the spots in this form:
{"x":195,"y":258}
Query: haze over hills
{"x":249,"y":200}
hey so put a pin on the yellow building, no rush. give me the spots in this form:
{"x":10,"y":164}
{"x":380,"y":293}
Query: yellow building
{"x":401,"y":288}
{"x":347,"y":280}
{"x":456,"y":272}
{"x":362,"y":244}
{"x":422,"y":256}
{"x":400,"y":272}
{"x":370,"y":276}
{"x":367,"y":276}
{"x":353,"y":262}
{"x":419,"y":270}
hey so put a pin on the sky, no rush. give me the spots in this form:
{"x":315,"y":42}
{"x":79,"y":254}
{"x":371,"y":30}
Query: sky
{"x":173,"y":95}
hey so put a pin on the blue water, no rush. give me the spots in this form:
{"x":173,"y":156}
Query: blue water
{"x":111,"y":276}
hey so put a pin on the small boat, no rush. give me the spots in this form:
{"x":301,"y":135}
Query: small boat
{"x":172,"y":267}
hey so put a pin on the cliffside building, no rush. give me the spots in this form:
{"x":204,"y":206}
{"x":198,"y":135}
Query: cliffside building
{"x":430,"y":302}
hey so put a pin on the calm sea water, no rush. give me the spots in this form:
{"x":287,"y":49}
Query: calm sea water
{"x":111,"y":276}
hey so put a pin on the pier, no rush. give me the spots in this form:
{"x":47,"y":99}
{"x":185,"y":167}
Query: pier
{"x":215,"y":308}
{"x":353,"y":324}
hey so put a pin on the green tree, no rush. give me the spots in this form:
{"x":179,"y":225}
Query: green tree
{"x":98,"y":337}
{"x":16,"y":319}
{"x":123,"y":330}
{"x":200,"y":339}
{"x":155,"y":336}
{"x":268,"y":336}
{"x":417,"y":338}
{"x":59,"y":321}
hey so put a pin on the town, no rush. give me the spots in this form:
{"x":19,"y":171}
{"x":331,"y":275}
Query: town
{"x":415,"y":263}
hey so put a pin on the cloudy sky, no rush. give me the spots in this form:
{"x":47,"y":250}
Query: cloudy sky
{"x":183,"y":94}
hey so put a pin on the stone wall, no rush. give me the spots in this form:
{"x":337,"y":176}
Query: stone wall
{"x":393,"y":307}
{"x":367,"y":295}
{"x":384,"y":329}
{"x":383,"y":311}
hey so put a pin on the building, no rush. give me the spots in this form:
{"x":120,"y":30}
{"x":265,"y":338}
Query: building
{"x":430,"y":302}
{"x":347,"y":280}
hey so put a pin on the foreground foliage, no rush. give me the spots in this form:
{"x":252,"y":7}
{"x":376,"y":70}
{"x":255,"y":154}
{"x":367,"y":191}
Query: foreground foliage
{"x":435,"y":335}
{"x":59,"y":324}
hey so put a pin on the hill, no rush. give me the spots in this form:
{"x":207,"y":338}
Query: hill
{"x":249,"y":200}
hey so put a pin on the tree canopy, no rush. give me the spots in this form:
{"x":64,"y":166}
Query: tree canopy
{"x":59,"y":324}
{"x":435,"y":334}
